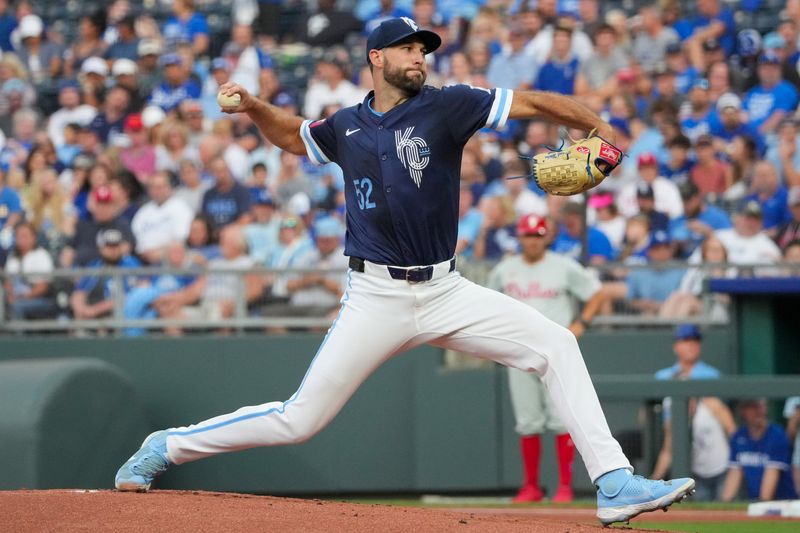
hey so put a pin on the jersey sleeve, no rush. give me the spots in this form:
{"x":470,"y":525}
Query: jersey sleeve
{"x":582,"y":282}
{"x":319,"y":136}
{"x":467,"y":109}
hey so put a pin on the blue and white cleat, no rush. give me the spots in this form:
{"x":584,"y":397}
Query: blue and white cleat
{"x":622,"y":496}
{"x":138,"y":472}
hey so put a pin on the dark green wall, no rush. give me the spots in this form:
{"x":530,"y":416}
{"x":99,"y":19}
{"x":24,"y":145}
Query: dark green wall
{"x":413,"y":426}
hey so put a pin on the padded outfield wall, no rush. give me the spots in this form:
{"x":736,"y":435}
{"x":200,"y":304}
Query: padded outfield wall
{"x":415,"y":426}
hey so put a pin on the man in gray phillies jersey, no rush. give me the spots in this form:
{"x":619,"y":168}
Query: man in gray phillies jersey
{"x":552,"y":284}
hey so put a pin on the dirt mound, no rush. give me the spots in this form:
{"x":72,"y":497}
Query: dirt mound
{"x":79,"y":510}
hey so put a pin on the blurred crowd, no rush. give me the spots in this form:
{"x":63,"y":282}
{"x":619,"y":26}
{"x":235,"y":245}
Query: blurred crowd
{"x":114,"y":152}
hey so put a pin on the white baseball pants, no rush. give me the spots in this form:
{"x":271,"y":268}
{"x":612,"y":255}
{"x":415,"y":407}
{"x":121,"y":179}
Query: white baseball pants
{"x":448,"y":311}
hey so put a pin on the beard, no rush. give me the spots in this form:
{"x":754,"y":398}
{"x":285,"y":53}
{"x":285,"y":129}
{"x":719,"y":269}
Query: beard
{"x":397,"y":77}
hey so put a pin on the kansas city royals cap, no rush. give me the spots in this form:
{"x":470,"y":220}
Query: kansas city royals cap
{"x":394,"y":30}
{"x":687,"y":331}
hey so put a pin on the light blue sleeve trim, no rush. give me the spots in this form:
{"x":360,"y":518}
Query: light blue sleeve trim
{"x":315,"y":153}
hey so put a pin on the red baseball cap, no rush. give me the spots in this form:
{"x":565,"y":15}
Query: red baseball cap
{"x":647,"y":158}
{"x":133,"y":122}
{"x":532,"y":225}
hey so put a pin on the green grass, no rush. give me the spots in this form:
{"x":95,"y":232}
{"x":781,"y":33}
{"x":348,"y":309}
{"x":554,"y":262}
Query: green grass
{"x":720,"y":527}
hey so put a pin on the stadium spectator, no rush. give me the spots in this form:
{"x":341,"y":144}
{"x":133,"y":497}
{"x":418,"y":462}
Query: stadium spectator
{"x":190,"y":187}
{"x":126,"y":46}
{"x":651,"y":40}
{"x":685,"y":74}
{"x":679,"y":164}
{"x":541,"y":45}
{"x":109,"y":122}
{"x":645,"y":199}
{"x":51,"y":212}
{"x":711,"y":175}
{"x":262,"y":233}
{"x":373,"y":13}
{"x":149,"y":73}
{"x":516,"y":186}
{"x":294,"y":243}
{"x":513,"y":68}
{"x":569,"y":240}
{"x":665,"y":192}
{"x":88,"y":44}
{"x":10,"y":211}
{"x":760,"y":453}
{"x":699,"y":220}
{"x":228,"y":201}
{"x":94,"y":296}
{"x":187,"y":26}
{"x":743,"y":154}
{"x":139,"y":156}
{"x":771,"y":196}
{"x":728,"y":124}
{"x":772,"y":99}
{"x":330,"y":85}
{"x":173,"y":146}
{"x":746,"y":243}
{"x":784,"y":153}
{"x":712,"y":21}
{"x":246,"y":60}
{"x":139,"y":302}
{"x":177,"y":85}
{"x":607,"y":218}
{"x":649,"y":287}
{"x":790,"y":232}
{"x":162,"y":220}
{"x":469,"y":222}
{"x":497,"y":235}
{"x":125,"y":74}
{"x":28,"y":283}
{"x":561,"y":67}
{"x":42,"y":59}
{"x":318,"y":293}
{"x":597,"y":74}
{"x":327,"y":26}
{"x":7,"y":24}
{"x":83,"y":248}
{"x":687,"y":300}
{"x":719,"y":80}
{"x":291,"y":179}
{"x":697,"y":121}
{"x":712,"y":421}
{"x":71,"y":111}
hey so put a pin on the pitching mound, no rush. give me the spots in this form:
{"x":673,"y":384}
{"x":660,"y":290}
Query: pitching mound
{"x":65,"y":510}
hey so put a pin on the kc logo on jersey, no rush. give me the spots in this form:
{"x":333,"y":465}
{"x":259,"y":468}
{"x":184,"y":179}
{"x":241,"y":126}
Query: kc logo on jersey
{"x":413,"y":152}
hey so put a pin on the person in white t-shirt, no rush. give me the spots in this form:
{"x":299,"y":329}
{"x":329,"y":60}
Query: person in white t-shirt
{"x":27,"y":295}
{"x":160,"y":221}
{"x":553,"y":284}
{"x":70,"y":112}
{"x":746,"y":243}
{"x":667,"y":196}
{"x":330,"y":86}
{"x":526,"y":201}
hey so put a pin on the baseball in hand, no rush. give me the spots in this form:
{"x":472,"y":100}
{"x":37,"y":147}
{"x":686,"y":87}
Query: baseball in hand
{"x":229,"y":101}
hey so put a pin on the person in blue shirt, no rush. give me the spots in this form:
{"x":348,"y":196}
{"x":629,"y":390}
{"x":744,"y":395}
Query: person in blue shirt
{"x":770,"y":101}
{"x":699,"y":121}
{"x":228,"y":201}
{"x":699,"y":220}
{"x":570,"y":237}
{"x":186,"y":25}
{"x":688,"y":347}
{"x":559,"y":72}
{"x":726,"y":122}
{"x":10,"y":211}
{"x":94,"y":296}
{"x":760,"y":454}
{"x":713,"y":22}
{"x":679,"y":164}
{"x":685,"y":74}
{"x":7,"y":24}
{"x":512,"y":67}
{"x":770,"y":194}
{"x":176,"y":87}
{"x":649,"y":287}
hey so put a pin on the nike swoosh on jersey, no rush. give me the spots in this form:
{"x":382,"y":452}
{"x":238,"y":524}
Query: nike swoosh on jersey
{"x":349,"y":132}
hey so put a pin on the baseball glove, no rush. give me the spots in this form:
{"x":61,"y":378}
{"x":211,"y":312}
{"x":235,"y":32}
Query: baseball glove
{"x":575,"y":169}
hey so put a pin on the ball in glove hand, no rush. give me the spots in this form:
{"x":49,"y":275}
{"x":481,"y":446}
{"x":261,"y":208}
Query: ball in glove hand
{"x":229,"y":101}
{"x":575,"y":169}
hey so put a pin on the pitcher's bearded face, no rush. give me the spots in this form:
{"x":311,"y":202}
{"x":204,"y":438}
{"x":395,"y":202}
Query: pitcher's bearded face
{"x":406,"y":69}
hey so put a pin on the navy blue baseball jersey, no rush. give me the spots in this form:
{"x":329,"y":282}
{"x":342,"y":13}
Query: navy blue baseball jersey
{"x":402,"y":169}
{"x":754,"y":456}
